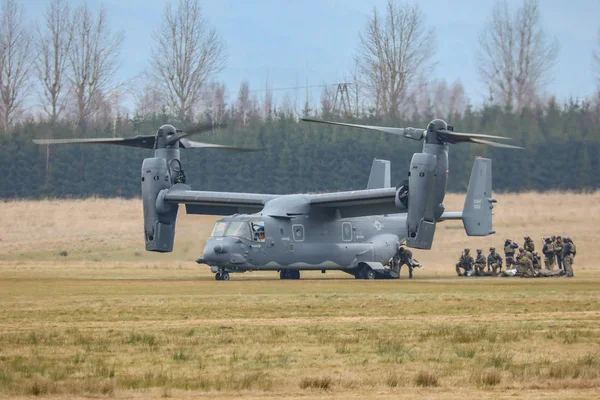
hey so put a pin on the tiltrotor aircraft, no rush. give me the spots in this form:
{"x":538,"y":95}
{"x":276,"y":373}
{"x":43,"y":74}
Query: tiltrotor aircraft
{"x":357,"y":232}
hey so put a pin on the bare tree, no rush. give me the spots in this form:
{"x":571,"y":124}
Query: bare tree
{"x":53,"y":43}
{"x":185,"y":55}
{"x":15,"y":62}
{"x":216,"y":107}
{"x":515,"y":54}
{"x":243,"y":103}
{"x":93,"y":60}
{"x":393,"y":53}
{"x":448,"y":100}
{"x":148,"y":96}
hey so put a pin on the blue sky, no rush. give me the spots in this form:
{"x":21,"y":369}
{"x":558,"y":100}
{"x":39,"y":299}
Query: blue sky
{"x":297,"y":42}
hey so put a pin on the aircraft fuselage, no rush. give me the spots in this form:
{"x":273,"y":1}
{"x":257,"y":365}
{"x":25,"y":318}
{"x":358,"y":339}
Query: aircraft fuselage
{"x":257,"y":242}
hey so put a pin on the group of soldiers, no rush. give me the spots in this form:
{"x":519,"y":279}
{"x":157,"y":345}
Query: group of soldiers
{"x":526,"y":263}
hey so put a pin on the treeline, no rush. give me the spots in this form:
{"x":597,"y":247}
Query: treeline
{"x":561,"y":143}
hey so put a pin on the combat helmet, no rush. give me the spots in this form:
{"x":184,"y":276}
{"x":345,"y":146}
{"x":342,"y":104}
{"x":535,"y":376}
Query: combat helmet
{"x":479,"y":250}
{"x":467,"y":250}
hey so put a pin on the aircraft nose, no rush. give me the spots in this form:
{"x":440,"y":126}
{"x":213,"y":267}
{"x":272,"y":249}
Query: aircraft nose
{"x":219,"y":248}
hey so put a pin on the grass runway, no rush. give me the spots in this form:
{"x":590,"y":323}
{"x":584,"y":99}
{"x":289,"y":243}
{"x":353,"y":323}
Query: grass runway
{"x":139,"y":335}
{"x":84,"y":313}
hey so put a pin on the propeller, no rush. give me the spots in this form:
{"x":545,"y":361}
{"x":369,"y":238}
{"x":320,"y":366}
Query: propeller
{"x":437,"y":132}
{"x":166,"y":136}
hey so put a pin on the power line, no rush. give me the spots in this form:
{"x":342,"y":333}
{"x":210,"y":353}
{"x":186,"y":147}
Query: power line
{"x":299,"y":87}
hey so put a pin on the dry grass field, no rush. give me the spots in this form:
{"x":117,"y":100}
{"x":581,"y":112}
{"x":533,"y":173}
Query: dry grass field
{"x":86,"y":312}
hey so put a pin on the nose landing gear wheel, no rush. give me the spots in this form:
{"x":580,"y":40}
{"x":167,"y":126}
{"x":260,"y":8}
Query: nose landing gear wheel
{"x":218,"y":276}
{"x":225,"y":276}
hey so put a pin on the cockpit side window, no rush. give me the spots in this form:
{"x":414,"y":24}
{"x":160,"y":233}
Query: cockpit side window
{"x":239,"y":229}
{"x":219,"y":229}
{"x":258,"y":231}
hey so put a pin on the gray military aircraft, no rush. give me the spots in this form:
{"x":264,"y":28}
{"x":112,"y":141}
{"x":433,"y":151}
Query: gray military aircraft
{"x":357,"y":231}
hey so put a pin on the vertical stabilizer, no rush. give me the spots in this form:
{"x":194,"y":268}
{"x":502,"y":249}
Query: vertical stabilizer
{"x":380,"y":175}
{"x":477,"y":212}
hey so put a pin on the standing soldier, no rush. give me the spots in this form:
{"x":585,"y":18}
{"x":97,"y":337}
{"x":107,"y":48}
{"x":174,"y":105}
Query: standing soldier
{"x":509,"y":253}
{"x":548,"y":251}
{"x":465,"y":262}
{"x":558,"y":247}
{"x":529,"y":245}
{"x":524,"y":264}
{"x":494,"y":261}
{"x":568,"y":256}
{"x":479,"y":263}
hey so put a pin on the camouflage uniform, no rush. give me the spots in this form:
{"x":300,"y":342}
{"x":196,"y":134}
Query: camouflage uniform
{"x":568,"y":256}
{"x":558,"y":247}
{"x":509,"y":253}
{"x":480,"y":263}
{"x":403,"y":257}
{"x":524,"y":264}
{"x":549,"y":256}
{"x":529,"y":245}
{"x":537,"y":261}
{"x":466,"y":262}
{"x":494,"y":261}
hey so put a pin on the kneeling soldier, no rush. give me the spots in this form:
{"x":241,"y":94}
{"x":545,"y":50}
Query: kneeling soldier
{"x":494,"y":261}
{"x":479,"y":263}
{"x":525,"y":264}
{"x":465,"y":262}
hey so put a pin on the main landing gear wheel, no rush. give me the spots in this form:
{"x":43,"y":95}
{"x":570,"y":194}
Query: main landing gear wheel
{"x":222,"y":276}
{"x":369,"y":274}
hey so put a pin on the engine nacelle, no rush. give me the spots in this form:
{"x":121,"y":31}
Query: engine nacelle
{"x":159,"y":217}
{"x":422,"y":207}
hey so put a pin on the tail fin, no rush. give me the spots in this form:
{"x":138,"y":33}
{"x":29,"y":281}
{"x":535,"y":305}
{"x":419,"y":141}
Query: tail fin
{"x":380,"y":175}
{"x":477,"y":211}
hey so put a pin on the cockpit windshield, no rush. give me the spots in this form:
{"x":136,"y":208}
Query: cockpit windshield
{"x":219,"y":229}
{"x":239,"y":229}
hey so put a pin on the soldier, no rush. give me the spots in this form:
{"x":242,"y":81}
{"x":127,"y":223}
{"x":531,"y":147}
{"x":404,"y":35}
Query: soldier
{"x":558,"y":247}
{"x":524,"y":264}
{"x":509,"y":253}
{"x":494,"y":261}
{"x":568,"y":256}
{"x":537,"y":261}
{"x":529,"y":245}
{"x":548,"y":251}
{"x":465,"y":262}
{"x":479,"y":263}
{"x":404,"y":257}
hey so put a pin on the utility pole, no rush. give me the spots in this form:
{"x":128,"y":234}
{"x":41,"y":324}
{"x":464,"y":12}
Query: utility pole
{"x":344,"y":97}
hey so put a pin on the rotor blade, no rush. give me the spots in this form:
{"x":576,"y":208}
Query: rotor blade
{"x":494,"y":144}
{"x":472,"y":135}
{"x":411,"y":133}
{"x":197,"y":129}
{"x":145,"y":141}
{"x":190,"y":144}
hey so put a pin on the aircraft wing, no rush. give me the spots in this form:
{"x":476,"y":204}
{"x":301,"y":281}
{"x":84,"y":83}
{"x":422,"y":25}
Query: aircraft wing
{"x":217,"y":203}
{"x":358,"y":203}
